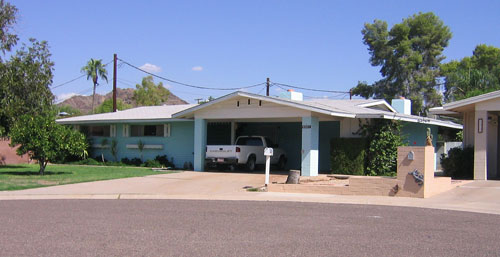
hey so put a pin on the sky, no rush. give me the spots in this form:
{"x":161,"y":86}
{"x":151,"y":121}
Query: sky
{"x":233,"y":44}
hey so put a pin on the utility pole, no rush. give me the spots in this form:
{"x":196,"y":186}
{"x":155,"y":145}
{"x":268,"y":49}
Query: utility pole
{"x":114,"y":82}
{"x":198,"y":100}
{"x":267,"y":87}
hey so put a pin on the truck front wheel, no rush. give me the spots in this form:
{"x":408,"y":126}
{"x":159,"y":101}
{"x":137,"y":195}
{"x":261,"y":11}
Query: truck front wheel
{"x":251,"y":163}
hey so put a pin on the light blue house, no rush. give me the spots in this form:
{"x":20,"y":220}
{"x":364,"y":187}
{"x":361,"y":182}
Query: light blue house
{"x":302,"y":128}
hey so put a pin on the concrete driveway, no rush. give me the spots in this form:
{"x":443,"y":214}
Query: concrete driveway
{"x":478,"y":196}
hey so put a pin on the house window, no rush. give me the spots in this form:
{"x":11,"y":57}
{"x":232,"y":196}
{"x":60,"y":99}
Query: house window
{"x":146,"y":131}
{"x":96,"y":131}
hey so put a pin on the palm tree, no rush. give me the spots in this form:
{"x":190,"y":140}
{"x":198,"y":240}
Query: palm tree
{"x":95,"y":69}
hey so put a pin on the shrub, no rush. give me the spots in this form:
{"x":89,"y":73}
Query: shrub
{"x":348,"y":155}
{"x":384,"y":137}
{"x":152,"y":164}
{"x":459,"y":163}
{"x":89,"y":161}
{"x":133,"y":161}
{"x":163,"y":160}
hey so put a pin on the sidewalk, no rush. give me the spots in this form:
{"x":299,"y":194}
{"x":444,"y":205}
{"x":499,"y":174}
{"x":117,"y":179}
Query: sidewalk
{"x":478,"y":196}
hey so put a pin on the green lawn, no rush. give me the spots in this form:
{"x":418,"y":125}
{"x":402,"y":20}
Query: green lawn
{"x":16,"y":177}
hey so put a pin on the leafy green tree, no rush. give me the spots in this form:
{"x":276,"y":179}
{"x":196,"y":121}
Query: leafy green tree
{"x":24,"y":76}
{"x":474,"y":75}
{"x":409,"y":55}
{"x":384,"y":138}
{"x":24,"y":83}
{"x":45,"y":140}
{"x":94,"y":70}
{"x":8,"y":19}
{"x":149,"y":94}
{"x":107,"y":106}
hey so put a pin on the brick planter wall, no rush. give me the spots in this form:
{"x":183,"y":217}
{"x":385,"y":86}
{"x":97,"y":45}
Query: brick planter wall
{"x":8,"y":154}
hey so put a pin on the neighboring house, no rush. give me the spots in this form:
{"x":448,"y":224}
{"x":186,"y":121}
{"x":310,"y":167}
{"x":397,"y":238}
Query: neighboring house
{"x":303,"y":129}
{"x":481,"y":130}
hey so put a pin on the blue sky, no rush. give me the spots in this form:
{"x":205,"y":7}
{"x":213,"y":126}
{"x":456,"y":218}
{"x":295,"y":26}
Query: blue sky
{"x":314,"y":44}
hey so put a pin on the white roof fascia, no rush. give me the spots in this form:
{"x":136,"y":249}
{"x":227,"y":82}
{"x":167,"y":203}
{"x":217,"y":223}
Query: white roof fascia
{"x":441,"y":111}
{"x":383,"y":102}
{"x":414,"y":119}
{"x":268,"y":99}
{"x":118,"y":121}
{"x":472,"y":100}
{"x":425,"y":120}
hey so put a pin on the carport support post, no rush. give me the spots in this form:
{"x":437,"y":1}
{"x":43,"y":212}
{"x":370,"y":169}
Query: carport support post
{"x":200,"y":143}
{"x":310,"y":142}
{"x":480,"y":145}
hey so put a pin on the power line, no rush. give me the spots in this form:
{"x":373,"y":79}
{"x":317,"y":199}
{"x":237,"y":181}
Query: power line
{"x":310,"y":89}
{"x":185,"y":84}
{"x":67,"y":82}
{"x":79,"y":77}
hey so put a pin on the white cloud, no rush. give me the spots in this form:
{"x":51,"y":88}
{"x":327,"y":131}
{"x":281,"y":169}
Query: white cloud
{"x":150,"y":67}
{"x":197,"y":68}
{"x":62,"y":97}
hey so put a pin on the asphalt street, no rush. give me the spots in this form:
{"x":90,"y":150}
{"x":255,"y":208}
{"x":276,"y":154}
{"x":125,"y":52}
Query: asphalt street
{"x":239,"y":228}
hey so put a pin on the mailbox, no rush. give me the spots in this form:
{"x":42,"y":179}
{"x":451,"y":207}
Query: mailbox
{"x":268,"y":151}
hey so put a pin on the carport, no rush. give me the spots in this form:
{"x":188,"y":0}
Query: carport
{"x":303,"y":131}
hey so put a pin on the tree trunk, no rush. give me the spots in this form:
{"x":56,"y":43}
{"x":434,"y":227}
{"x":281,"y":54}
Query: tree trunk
{"x":93,"y":98}
{"x":42,"y":164}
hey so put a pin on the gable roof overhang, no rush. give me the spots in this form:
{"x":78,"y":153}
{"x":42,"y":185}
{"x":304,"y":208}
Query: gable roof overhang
{"x":471,"y":101}
{"x":411,"y":118}
{"x":189,"y":113}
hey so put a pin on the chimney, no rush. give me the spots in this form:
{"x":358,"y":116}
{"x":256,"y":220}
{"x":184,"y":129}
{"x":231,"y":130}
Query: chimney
{"x":402,"y":105}
{"x":290,"y":94}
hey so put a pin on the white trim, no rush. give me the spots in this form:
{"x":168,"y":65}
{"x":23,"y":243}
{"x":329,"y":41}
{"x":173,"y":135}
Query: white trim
{"x":112,"y":130}
{"x":289,"y":103}
{"x":381,"y":102}
{"x":166,"y":130}
{"x":441,"y":111}
{"x":472,"y":100}
{"x":100,"y":146}
{"x":136,"y":146}
{"x":126,"y":130}
{"x":118,"y":121}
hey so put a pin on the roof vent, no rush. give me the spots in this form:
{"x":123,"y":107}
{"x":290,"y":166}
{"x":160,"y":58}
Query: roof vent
{"x":290,"y":94}
{"x":402,"y":105}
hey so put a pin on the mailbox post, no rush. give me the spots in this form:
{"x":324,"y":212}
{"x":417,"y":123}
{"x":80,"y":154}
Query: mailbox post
{"x":268,"y":152}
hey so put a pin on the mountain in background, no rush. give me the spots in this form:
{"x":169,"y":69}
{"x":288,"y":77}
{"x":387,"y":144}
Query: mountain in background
{"x":84,"y":103}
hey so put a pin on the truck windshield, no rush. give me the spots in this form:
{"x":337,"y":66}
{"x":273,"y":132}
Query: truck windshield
{"x":253,"y":141}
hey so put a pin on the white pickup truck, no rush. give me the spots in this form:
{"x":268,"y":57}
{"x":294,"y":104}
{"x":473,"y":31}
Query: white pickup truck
{"x":248,"y":151}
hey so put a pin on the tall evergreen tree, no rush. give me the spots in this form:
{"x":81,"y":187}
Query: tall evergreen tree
{"x":409,"y":55}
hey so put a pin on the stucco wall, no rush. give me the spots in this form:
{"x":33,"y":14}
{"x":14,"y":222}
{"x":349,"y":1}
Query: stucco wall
{"x":178,"y":146}
{"x":416,"y":133}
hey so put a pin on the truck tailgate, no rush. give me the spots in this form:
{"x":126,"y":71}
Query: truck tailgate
{"x":221,"y":151}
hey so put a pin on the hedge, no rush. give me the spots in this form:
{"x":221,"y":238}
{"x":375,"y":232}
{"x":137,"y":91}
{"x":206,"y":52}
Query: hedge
{"x":348,"y":155}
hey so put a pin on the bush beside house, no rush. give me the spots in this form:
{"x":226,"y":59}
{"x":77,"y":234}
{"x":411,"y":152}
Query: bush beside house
{"x":375,"y":154}
{"x":459,"y":163}
{"x":348,"y":155}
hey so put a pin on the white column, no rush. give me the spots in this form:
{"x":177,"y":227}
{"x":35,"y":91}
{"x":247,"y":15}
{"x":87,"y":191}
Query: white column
{"x":310,"y":142}
{"x":200,"y":144}
{"x":480,"y":145}
{"x":233,"y":132}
